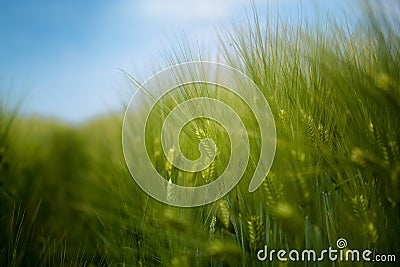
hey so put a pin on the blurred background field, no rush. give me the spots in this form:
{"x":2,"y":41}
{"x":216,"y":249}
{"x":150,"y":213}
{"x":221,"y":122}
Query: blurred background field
{"x":67,"y":197}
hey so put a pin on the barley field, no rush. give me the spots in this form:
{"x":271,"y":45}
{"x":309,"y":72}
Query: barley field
{"x":67,"y":197}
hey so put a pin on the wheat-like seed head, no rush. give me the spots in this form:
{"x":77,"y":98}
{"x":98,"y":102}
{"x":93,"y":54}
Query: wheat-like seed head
{"x":212,"y":226}
{"x":283,"y":118}
{"x":256,"y":230}
{"x":273,"y":191}
{"x":208,"y":173}
{"x":360,"y":206}
{"x":223,"y":213}
{"x":168,"y":164}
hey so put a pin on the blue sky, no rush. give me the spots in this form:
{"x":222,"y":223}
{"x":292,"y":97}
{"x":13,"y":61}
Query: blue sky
{"x":63,"y":57}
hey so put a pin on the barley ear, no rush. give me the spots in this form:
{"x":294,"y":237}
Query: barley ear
{"x":360,"y":206}
{"x":256,"y":230}
{"x":273,"y":191}
{"x":223,"y":213}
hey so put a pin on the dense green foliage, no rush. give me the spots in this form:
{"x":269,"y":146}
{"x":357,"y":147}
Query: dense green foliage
{"x":67,"y":198}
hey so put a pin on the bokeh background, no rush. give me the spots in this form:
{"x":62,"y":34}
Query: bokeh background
{"x":62,"y":58}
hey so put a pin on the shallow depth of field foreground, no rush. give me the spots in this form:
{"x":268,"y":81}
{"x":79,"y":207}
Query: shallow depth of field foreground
{"x":67,"y":197}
